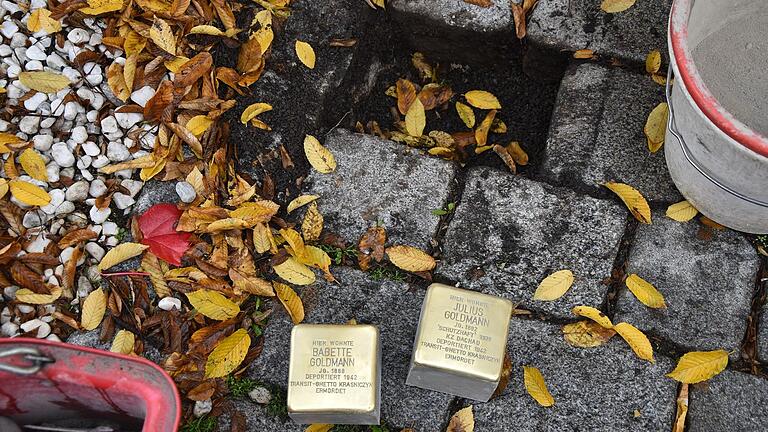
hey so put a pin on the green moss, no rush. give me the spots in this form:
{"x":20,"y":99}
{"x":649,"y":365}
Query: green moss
{"x":387,"y":272}
{"x":762,"y":240}
{"x":278,"y":405}
{"x":240,"y":387}
{"x":202,"y":424}
{"x":337,"y":254}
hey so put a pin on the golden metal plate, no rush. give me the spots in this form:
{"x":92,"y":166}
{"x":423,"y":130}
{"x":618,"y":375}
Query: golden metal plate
{"x":462,"y":332}
{"x":334,"y":369}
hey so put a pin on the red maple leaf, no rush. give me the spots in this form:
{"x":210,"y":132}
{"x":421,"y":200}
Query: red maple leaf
{"x":158,"y":225}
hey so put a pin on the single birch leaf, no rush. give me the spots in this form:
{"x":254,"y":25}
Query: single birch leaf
{"x":123,"y":342}
{"x":213,"y":304}
{"x":228,"y":354}
{"x":33,"y":164}
{"x":301,"y":201}
{"x":318,"y":156}
{"x":697,"y":366}
{"x":45,"y":82}
{"x":290,"y":301}
{"x":306,"y":54}
{"x":120,"y":253}
{"x":656,"y":127}
{"x":682,"y":211}
{"x":615,"y":6}
{"x":536,"y":387}
{"x":410,"y":258}
{"x":634,"y":201}
{"x":554,"y":286}
{"x":482,"y":99}
{"x":593,"y":314}
{"x":645,"y":292}
{"x":29,"y":194}
{"x":415,"y":119}
{"x":295,"y":272}
{"x":462,"y":421}
{"x":94,"y":307}
{"x":636,"y":339}
{"x":466,"y":114}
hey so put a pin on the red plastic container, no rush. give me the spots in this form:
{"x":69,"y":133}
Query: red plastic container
{"x":44,"y":381}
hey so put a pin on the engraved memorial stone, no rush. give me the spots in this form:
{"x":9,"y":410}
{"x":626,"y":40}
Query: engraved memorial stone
{"x":334,"y":374}
{"x":460,"y":342}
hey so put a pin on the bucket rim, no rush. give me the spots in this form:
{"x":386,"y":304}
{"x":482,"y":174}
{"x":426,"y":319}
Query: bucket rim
{"x":694,"y":84}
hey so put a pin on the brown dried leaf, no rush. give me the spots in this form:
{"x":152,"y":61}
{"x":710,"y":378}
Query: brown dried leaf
{"x":406,"y":94}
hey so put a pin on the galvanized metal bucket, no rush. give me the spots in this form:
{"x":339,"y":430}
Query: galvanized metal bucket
{"x":717,"y":162}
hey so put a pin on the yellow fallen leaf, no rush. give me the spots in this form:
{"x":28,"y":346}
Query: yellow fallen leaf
{"x":33,"y":164}
{"x":290,"y":300}
{"x":698,"y":366}
{"x":682,"y":211}
{"x":317,"y":258}
{"x":634,"y":201}
{"x":227,"y":224}
{"x":415,"y":119}
{"x":262,"y":238}
{"x":29,"y":194}
{"x":120,"y":253}
{"x":318,"y":156}
{"x":162,"y":35}
{"x":25,"y":295}
{"x":3,"y":187}
{"x":98,"y":7}
{"x":584,"y":54}
{"x":645,"y":292}
{"x":45,"y":82}
{"x":466,"y":114}
{"x":40,"y":20}
{"x":306,"y":54}
{"x":295,"y":272}
{"x":228,"y":354}
{"x":294,"y":240}
{"x":636,"y":340}
{"x":536,"y":387}
{"x":251,"y":111}
{"x":319,"y":427}
{"x":93,"y":309}
{"x":656,"y":127}
{"x":206,"y":30}
{"x":518,"y":154}
{"x":481,"y":133}
{"x":312,"y":225}
{"x":593,"y":314}
{"x":123,"y":342}
{"x":410,"y":258}
{"x":213,"y":304}
{"x":152,"y":265}
{"x":462,"y":421}
{"x":198,"y":124}
{"x":614,"y":6}
{"x":586,"y":334}
{"x":554,"y":286}
{"x":653,"y":62}
{"x":482,"y":99}
{"x":301,"y":201}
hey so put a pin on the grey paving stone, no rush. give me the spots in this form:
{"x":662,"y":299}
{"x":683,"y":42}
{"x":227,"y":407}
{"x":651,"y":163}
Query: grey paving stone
{"x":377,"y":180}
{"x":301,"y":96}
{"x":594,"y":388}
{"x":559,"y":27}
{"x":257,"y":418}
{"x":454,"y":29}
{"x":708,"y":285}
{"x":731,"y":401}
{"x":155,"y":192}
{"x":596,"y":134}
{"x":394,"y":307}
{"x":509,"y":233}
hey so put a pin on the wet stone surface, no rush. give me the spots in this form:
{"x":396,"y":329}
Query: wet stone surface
{"x":596,"y":133}
{"x":729,"y":401}
{"x":559,"y":27}
{"x":379,"y":181}
{"x":392,"y":306}
{"x":509,"y":233}
{"x":708,"y":284}
{"x":594,"y":389}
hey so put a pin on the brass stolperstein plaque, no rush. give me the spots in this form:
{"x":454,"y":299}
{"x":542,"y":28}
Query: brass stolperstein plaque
{"x":334,"y":374}
{"x":460,"y":342}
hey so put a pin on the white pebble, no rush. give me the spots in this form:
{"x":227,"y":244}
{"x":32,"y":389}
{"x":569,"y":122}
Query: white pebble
{"x":77,"y":36}
{"x":169,"y":303}
{"x":109,"y":124}
{"x":98,"y":188}
{"x":186,"y":192}
{"x":42,"y":142}
{"x":117,"y":152}
{"x":98,"y":216}
{"x":79,"y":134}
{"x":9,"y":28}
{"x":10,"y":329}
{"x":29,"y":124}
{"x":143,"y":95}
{"x":122,"y":201}
{"x":78,"y":191}
{"x":34,"y":52}
{"x":202,"y":408}
{"x":62,"y":155}
{"x":94,"y":250}
{"x":127,"y":120}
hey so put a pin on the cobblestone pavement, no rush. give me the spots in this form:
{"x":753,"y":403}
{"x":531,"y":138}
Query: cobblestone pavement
{"x":508,"y":232}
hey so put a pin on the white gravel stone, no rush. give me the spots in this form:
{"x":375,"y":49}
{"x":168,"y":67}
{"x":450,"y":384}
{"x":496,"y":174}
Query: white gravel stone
{"x":122,"y":201}
{"x":79,"y":134}
{"x":202,"y":408}
{"x":34,"y":102}
{"x":62,"y":155}
{"x":100,"y":161}
{"x":128,"y":120}
{"x":8,"y":28}
{"x":31,"y":325}
{"x":109,"y":124}
{"x":9,"y":329}
{"x":33,"y":65}
{"x":32,"y":219}
{"x":109,"y":228}
{"x":38,"y":244}
{"x":57,"y":198}
{"x":29,"y":124}
{"x":34,"y":52}
{"x":94,"y":250}
{"x":143,"y":95}
{"x":133,"y":186}
{"x":53,"y":172}
{"x":186,"y":192}
{"x":98,"y":216}
{"x":83,"y":163}
{"x":260,"y":395}
{"x":42,"y":142}
{"x":70,"y":110}
{"x":78,"y":191}
{"x":169,"y":303}
{"x":77,"y":36}
{"x":65,"y":208}
{"x":118,"y":152}
{"x":54,"y":61}
{"x":8,"y":292}
{"x":97,"y":188}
